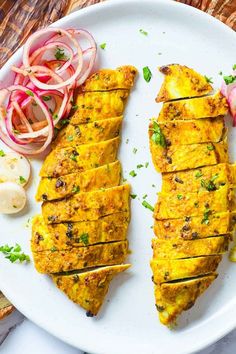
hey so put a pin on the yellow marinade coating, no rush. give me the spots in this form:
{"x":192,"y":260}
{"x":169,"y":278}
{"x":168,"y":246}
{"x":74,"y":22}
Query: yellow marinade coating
{"x":95,"y":132}
{"x":177,"y":249}
{"x":174,"y":205}
{"x":204,"y":178}
{"x":184,"y":157}
{"x":87,"y":206}
{"x":181,"y":82}
{"x":108,"y":79}
{"x":189,"y":132}
{"x":66,"y":235}
{"x":194,"y":108}
{"x":94,"y":106}
{"x":79,"y":158}
{"x":101,"y":177}
{"x":88,"y":289}
{"x":188,"y":228}
{"x":174,"y":298}
{"x":77,"y":258}
{"x":165,"y":270}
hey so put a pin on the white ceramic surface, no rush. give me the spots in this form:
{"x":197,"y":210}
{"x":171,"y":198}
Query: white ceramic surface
{"x":128,"y":321}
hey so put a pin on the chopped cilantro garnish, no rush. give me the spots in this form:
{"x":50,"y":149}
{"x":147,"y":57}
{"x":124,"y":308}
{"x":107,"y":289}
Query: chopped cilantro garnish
{"x":22,"y":179}
{"x":53,"y":249}
{"x":133,"y":196}
{"x":64,"y":121}
{"x":75,"y":107}
{"x":60,"y":54}
{"x":179,"y":196}
{"x":135,"y":150}
{"x":208,"y":185}
{"x":145,"y":196}
{"x":103,"y":45}
{"x":143,"y":32}
{"x":220,"y":73}
{"x":127,"y":141}
{"x":206,"y":215}
{"x":85,"y":238}
{"x":234,"y":67}
{"x":133,"y":173}
{"x":2,"y":153}
{"x":198,"y":174}
{"x":73,"y":157}
{"x":147,"y":74}
{"x":29,"y":93}
{"x":55,"y":116}
{"x":70,"y":138}
{"x":46,"y":98}
{"x":208,"y":79}
{"x":146,"y":164}
{"x":229,"y":79}
{"x":14,"y":253}
{"x":75,"y":189}
{"x":157,"y":136}
{"x":147,"y":205}
{"x":213,"y":178}
{"x":139,"y":166}
{"x":210,"y":147}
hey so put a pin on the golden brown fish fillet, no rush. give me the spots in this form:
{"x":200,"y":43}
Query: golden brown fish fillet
{"x":181,"y":82}
{"x":177,"y":249}
{"x":94,"y":106}
{"x":174,"y":298}
{"x":68,"y":160}
{"x":95,"y":132}
{"x":77,"y":258}
{"x":206,"y":178}
{"x":66,"y":235}
{"x":87,"y":206}
{"x":188,"y":228}
{"x":189,"y":132}
{"x":108,"y":79}
{"x":88,"y":289}
{"x":195,"y":108}
{"x":174,"y":205}
{"x":57,"y":188}
{"x":184,"y":157}
{"x":165,"y":270}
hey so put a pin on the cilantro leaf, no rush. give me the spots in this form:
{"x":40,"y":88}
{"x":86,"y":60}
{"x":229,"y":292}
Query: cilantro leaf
{"x":157,"y":136}
{"x":147,"y":74}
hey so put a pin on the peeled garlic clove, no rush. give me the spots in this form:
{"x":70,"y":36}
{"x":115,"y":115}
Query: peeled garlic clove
{"x":12,"y":198}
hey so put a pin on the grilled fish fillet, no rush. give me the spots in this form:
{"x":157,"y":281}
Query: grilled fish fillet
{"x":174,"y":298}
{"x":76,"y":258}
{"x":73,"y":135}
{"x":165,"y":270}
{"x":188,"y":228}
{"x":177,"y":249}
{"x":57,"y":188}
{"x":80,"y":158}
{"x":182,"y":132}
{"x":181,"y":82}
{"x":66,"y":235}
{"x":94,"y":106}
{"x":183,"y":157}
{"x":108,"y":79}
{"x":87,"y":206}
{"x":206,"y":178}
{"x":194,"y":108}
{"x":88,"y":289}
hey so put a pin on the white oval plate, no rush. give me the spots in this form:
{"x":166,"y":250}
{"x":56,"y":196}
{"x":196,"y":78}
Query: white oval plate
{"x":128,"y":322}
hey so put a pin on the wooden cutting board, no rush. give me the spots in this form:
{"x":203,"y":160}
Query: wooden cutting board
{"x":20,"y":18}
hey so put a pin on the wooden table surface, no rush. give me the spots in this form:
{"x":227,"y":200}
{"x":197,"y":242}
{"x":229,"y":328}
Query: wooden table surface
{"x":19,"y":18}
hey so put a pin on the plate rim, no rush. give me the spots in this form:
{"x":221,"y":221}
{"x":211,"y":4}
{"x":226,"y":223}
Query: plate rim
{"x":231,"y":322}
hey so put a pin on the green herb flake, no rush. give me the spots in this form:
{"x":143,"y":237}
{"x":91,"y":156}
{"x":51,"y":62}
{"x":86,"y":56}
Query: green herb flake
{"x":135,"y":150}
{"x":147,"y":74}
{"x":213,"y":178}
{"x":198,"y":174}
{"x":146,"y":164}
{"x":103,"y":46}
{"x":22,"y":179}
{"x":73,"y":157}
{"x":70,"y":138}
{"x":234,"y":67}
{"x":179,"y":196}
{"x":64,"y":121}
{"x":46,"y":98}
{"x":60,"y":54}
{"x":127,"y":141}
{"x":15,"y":131}
{"x":209,"y":79}
{"x":220,"y":73}
{"x":53,"y":249}
{"x":29,"y":93}
{"x":85,"y":238}
{"x":75,"y":189}
{"x":75,"y":107}
{"x":133,"y":173}
{"x":206,"y":215}
{"x":145,"y":196}
{"x":210,"y":147}
{"x":143,"y":32}
{"x":140,"y":166}
{"x":208,"y":185}
{"x":229,"y":79}
{"x":133,"y":196}
{"x":147,"y":205}
{"x":2,"y":153}
{"x":157,"y":136}
{"x":14,"y":254}
{"x":55,"y":116}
